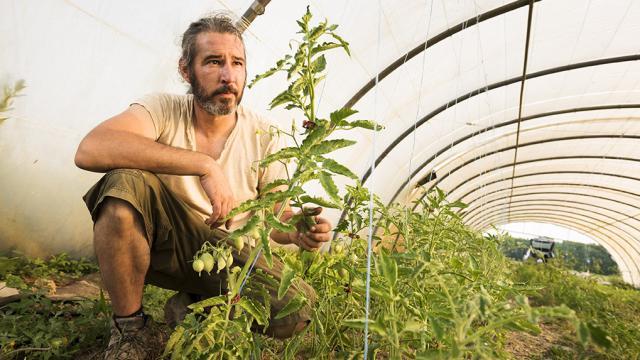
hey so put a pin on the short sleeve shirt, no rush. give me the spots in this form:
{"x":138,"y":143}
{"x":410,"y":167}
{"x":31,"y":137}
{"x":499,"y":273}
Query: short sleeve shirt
{"x":251,"y":139}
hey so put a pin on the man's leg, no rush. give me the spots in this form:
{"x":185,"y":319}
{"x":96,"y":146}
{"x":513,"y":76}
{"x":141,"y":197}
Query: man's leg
{"x":123,"y":254}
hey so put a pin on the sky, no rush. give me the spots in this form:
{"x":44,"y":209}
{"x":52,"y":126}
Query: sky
{"x":528,"y":230}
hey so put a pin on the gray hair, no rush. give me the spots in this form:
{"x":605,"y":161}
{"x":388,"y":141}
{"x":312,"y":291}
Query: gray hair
{"x":221,"y":23}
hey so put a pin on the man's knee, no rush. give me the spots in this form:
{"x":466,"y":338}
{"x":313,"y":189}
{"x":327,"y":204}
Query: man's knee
{"x":118,"y":215}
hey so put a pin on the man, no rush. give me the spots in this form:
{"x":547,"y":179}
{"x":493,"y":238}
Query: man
{"x":177,"y":165}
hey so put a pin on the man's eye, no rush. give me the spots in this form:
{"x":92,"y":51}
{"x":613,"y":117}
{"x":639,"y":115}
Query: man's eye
{"x":215,"y":62}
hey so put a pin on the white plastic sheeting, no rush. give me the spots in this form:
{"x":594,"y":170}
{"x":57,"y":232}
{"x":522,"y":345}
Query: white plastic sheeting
{"x":578,"y":158}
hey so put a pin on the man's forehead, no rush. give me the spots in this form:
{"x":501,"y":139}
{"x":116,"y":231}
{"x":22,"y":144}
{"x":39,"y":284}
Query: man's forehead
{"x":212,"y":43}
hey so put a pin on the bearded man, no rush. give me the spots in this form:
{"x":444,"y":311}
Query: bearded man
{"x":175,"y":166}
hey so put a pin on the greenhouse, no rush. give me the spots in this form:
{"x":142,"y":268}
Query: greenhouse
{"x":391,"y":144}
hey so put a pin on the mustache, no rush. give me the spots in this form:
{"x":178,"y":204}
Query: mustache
{"x":225,"y":89}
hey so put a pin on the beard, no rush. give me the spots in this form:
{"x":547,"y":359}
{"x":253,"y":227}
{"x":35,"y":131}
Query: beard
{"x":209,"y":101}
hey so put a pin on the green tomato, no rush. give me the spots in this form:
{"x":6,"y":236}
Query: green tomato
{"x":238,"y":243}
{"x":222,"y":263}
{"x":208,"y":261}
{"x":343,"y":273}
{"x":354,"y":257}
{"x":338,"y":249}
{"x":198,"y":266}
{"x":229,"y":260}
{"x":255,"y":234}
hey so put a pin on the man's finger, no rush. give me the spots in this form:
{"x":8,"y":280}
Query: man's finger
{"x":322,"y":227}
{"x":319,"y":237}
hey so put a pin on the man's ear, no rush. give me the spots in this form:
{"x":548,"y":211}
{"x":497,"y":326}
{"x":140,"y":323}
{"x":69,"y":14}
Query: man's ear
{"x":184,"y":72}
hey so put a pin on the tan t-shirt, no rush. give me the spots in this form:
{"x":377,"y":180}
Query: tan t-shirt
{"x":249,"y":142}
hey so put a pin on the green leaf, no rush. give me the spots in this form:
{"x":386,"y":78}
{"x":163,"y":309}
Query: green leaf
{"x":437,"y":327}
{"x":249,"y":226}
{"x":329,"y":186}
{"x":288,"y":274}
{"x":319,"y":64}
{"x":599,"y":336}
{"x":282,"y":98}
{"x":389,"y":268}
{"x":256,"y":310}
{"x":274,"y":184}
{"x":316,"y":134}
{"x":523,"y":325}
{"x":324,"y":47}
{"x":328,"y":146}
{"x":336,"y":168}
{"x":279,"y":66}
{"x":365,"y":124}
{"x":341,"y":114}
{"x":292,"y":306}
{"x":276,"y":224}
{"x":345,"y":45}
{"x":583,"y":333}
{"x":212,"y":301}
{"x":320,"y":201}
{"x":284,"y":153}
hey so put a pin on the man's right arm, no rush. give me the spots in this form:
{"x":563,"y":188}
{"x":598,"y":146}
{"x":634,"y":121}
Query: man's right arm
{"x":128,"y":141}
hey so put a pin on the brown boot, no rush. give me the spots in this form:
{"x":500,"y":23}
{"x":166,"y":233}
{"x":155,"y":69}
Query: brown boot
{"x":176,"y":308}
{"x":135,"y":337}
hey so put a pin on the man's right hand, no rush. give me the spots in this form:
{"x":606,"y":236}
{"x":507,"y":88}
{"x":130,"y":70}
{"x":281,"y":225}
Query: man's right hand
{"x":217,"y":188}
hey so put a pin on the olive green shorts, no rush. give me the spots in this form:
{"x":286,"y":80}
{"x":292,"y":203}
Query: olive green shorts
{"x":175,"y":232}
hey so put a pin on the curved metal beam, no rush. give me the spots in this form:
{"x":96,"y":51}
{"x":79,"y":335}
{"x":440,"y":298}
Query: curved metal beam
{"x":572,"y":185}
{"x":567,"y":138}
{"x":532,"y":143}
{"x":550,"y":202}
{"x":431,"y":42}
{"x":563,"y":193}
{"x":484,"y":89}
{"x":503,"y":124}
{"x":545,"y":173}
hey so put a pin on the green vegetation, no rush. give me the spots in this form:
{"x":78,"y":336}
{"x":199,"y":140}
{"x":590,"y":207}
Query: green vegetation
{"x":579,"y":257}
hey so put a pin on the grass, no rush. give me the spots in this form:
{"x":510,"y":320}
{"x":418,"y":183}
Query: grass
{"x":38,"y":328}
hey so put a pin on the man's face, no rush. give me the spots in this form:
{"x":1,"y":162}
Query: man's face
{"x":218,"y":73}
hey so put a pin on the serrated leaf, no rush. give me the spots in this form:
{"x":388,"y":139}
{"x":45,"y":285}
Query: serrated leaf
{"x":329,"y":186}
{"x":279,"y":66}
{"x":288,"y":274}
{"x":212,"y":301}
{"x":284,"y":153}
{"x":328,"y":146}
{"x":437,"y":327}
{"x":324,"y":47}
{"x":315,"y":135}
{"x":292,"y":306}
{"x":320,"y":201}
{"x":345,"y":45}
{"x":365,"y":124}
{"x":280,"y":226}
{"x":319,"y":64}
{"x":341,"y":114}
{"x":274,"y":184}
{"x":255,"y":309}
{"x":337,"y":168}
{"x":249,"y":226}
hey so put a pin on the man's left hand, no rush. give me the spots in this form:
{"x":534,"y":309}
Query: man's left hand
{"x":316,"y":236}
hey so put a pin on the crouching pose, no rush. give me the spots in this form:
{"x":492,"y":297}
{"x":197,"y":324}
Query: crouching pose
{"x":175,"y":167}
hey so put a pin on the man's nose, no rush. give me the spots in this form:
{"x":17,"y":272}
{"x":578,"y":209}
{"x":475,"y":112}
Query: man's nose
{"x":226,"y":74}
